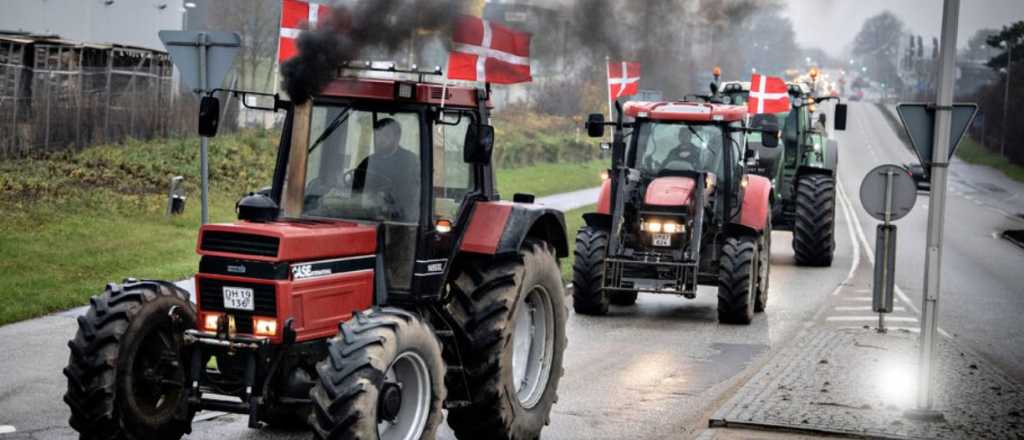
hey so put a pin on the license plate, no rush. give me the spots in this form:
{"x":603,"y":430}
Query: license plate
{"x":664,"y":240}
{"x":238,"y":298}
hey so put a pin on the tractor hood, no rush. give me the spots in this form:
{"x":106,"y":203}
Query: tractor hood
{"x":670,"y":191}
{"x":287,"y":240}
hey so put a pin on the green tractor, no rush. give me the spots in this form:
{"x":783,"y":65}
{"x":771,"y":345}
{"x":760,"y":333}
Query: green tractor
{"x":803,"y":173}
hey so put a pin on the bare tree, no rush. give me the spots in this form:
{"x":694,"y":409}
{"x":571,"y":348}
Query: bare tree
{"x":257,"y":21}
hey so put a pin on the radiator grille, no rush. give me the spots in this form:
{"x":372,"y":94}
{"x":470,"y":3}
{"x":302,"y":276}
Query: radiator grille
{"x":236,"y":243}
{"x":211,"y":298}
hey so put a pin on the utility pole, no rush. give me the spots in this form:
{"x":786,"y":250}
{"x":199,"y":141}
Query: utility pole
{"x":936,"y":213}
{"x":1006,"y":97}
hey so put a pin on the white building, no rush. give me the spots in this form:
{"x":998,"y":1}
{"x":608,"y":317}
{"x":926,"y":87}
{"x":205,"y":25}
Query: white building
{"x":126,"y":22}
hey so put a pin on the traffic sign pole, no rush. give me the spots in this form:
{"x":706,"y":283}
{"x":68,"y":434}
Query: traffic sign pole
{"x":936,"y":212}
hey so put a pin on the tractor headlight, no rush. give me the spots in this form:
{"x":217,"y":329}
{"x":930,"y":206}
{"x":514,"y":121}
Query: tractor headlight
{"x":210,"y":321}
{"x":657,"y":227}
{"x":264,"y":326}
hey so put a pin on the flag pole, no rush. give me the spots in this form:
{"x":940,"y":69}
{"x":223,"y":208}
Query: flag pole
{"x":608,"y":87}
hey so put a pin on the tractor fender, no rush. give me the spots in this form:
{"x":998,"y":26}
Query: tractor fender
{"x":804,"y":170}
{"x":604,"y":198}
{"x":499,"y":228}
{"x":598,"y":220}
{"x":756,"y":203}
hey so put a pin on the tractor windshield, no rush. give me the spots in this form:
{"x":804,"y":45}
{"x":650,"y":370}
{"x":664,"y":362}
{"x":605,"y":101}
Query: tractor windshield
{"x":679,"y":146}
{"x":362,"y":165}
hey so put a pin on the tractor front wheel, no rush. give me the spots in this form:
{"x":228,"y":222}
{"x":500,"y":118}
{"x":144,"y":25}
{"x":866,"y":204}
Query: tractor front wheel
{"x":383,"y":379}
{"x":513,"y":313}
{"x":588,"y":298}
{"x":127,"y":370}
{"x":737,"y":280}
{"x":814,"y":225}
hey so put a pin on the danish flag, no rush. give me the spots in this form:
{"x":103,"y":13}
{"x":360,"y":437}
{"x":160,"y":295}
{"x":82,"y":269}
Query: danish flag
{"x":488,"y":52}
{"x":623,"y":79}
{"x":768,"y":94}
{"x":293,"y":14}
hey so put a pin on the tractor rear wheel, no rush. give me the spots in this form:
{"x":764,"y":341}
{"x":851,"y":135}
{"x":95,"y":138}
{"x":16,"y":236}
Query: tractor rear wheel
{"x":764,"y":265}
{"x":513,"y":312}
{"x":814,"y":225}
{"x":127,"y":370}
{"x":737,"y":280}
{"x":382,"y":379}
{"x":588,"y":272}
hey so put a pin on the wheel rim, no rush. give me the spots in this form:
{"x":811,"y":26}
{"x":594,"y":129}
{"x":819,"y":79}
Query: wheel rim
{"x":158,"y":377}
{"x":532,"y":346}
{"x":409,"y":372}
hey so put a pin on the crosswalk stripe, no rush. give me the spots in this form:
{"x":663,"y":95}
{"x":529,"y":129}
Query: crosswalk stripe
{"x":870,"y":318}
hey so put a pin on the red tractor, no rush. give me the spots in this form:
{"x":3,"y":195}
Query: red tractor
{"x":678,"y":210}
{"x":380,"y":280}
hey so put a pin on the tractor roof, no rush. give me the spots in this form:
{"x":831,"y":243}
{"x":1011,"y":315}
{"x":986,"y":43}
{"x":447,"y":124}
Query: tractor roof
{"x":388,"y":90}
{"x":685,"y":111}
{"x":734,"y":86}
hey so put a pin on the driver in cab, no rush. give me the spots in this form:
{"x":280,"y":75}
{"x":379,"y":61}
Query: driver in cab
{"x":687,"y":155}
{"x":390,"y":173}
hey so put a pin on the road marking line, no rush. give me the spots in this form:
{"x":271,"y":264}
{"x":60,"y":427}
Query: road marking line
{"x":871,"y":318}
{"x":857,"y":298}
{"x":888,"y":328}
{"x":7,"y":429}
{"x":863,"y":309}
{"x":844,"y":199}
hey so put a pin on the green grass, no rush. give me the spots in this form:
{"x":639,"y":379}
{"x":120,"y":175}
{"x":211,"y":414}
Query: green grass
{"x":75,"y":221}
{"x":971,"y":151}
{"x":550,"y":178}
{"x":573,"y":222}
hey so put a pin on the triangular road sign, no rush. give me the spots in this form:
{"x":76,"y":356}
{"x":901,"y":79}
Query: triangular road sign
{"x":919,"y":122}
{"x":184,"y":49}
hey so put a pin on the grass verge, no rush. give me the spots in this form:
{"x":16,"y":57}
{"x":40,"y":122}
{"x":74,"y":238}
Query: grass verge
{"x":74,"y":221}
{"x":972,"y":152}
{"x":573,"y":222}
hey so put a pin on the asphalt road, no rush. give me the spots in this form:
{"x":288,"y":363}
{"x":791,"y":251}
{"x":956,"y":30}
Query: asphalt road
{"x":656,"y":370}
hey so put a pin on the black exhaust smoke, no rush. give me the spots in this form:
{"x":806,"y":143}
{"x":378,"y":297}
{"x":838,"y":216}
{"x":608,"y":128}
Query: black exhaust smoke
{"x":352,"y":28}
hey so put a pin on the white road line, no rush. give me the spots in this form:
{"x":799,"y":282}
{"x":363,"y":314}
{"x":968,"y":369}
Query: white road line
{"x":863,"y":309}
{"x":857,"y":298}
{"x":7,"y":429}
{"x":870,"y":318}
{"x":887,"y":328}
{"x":871,"y":257}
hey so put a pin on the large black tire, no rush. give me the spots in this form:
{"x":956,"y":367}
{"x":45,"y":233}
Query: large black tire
{"x":125,"y":340}
{"x":588,"y":298}
{"x":487,"y":299}
{"x":347,"y":397}
{"x":737,"y":280}
{"x":764,"y":265}
{"x":814,"y":224}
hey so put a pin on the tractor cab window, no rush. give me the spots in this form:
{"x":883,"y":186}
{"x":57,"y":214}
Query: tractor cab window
{"x":679,"y":146}
{"x":453,"y":177}
{"x":363,"y":165}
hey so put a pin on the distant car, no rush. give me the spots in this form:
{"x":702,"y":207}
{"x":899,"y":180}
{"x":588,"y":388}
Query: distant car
{"x":857,"y":95}
{"x":920,"y":175}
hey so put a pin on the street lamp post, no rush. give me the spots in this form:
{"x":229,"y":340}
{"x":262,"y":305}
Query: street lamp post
{"x":1006,"y":96}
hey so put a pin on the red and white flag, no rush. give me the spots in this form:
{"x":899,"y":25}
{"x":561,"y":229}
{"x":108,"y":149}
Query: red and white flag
{"x":768,"y":94}
{"x":488,"y":52}
{"x":623,"y":79}
{"x":294,"y":13}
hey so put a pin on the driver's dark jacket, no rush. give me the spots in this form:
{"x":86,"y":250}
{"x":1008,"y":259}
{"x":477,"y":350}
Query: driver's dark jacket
{"x":396,"y":176}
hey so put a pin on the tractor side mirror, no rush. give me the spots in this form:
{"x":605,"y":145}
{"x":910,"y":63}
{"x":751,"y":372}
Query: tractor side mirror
{"x":840,"y":117}
{"x":209,"y":116}
{"x":479,"y":144}
{"x":595,"y":125}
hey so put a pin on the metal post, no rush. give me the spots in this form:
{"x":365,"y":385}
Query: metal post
{"x":203,"y":141}
{"x":888,"y":218}
{"x":936,"y":212}
{"x":607,"y":85}
{"x":1006,"y":98}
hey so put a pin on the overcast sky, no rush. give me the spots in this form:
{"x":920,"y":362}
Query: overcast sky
{"x":832,"y":24}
